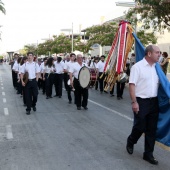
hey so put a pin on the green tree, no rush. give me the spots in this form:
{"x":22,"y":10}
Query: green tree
{"x":101,"y":34}
{"x":154,"y":14}
{"x":30,"y":48}
{"x":45,"y":48}
{"x":2,"y":9}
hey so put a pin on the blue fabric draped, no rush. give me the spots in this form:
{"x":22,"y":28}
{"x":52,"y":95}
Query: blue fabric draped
{"x":163,"y":127}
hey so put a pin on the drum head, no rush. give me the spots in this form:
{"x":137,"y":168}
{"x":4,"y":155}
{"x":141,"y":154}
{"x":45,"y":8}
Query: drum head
{"x":84,"y":77}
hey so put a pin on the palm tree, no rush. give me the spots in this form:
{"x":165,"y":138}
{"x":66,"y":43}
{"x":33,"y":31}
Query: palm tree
{"x":2,"y":9}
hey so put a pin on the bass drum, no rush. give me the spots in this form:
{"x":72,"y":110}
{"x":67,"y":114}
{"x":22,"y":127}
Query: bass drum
{"x":84,"y":77}
{"x":93,"y":77}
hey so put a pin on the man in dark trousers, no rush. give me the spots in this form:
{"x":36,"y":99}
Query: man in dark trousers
{"x":31,"y":87}
{"x":143,"y":88}
{"x":81,"y":94}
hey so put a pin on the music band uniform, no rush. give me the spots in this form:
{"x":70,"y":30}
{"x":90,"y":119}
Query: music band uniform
{"x":67,"y":67}
{"x":31,"y":87}
{"x":81,"y":94}
{"x":58,"y":80}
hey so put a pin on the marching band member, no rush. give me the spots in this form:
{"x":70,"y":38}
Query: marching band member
{"x":65,"y":76}
{"x":93,"y":65}
{"x":14,"y":74}
{"x":67,"y":67}
{"x":59,"y":67}
{"x":31,"y":88}
{"x":48,"y":77}
{"x":23,"y":61}
{"x":100,"y":67}
{"x":81,"y":94}
{"x":41,"y":74}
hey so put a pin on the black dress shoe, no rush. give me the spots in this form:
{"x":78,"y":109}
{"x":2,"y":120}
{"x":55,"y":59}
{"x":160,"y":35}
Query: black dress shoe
{"x":34,"y":109}
{"x":27,"y":112}
{"x":85,"y":108}
{"x":78,"y":108}
{"x":59,"y":96}
{"x":47,"y":97}
{"x":129,"y":148}
{"x":151,"y":160}
{"x":118,"y":98}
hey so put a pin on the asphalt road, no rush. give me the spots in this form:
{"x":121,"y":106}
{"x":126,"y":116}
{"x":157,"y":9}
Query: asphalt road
{"x":59,"y":137}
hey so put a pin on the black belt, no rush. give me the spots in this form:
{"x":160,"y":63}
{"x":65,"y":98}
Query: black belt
{"x":31,"y":79}
{"x":150,"y":98}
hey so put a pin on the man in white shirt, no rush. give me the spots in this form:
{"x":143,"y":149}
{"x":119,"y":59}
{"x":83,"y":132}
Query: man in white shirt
{"x":100,"y":68}
{"x":67,"y":67}
{"x":81,"y":94}
{"x":14,"y":73}
{"x":41,"y":74}
{"x":143,"y":88}
{"x":31,"y":87}
{"x":58,"y":78}
{"x":65,"y":76}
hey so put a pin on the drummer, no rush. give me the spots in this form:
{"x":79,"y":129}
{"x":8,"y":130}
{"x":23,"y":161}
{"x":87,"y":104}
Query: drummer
{"x":81,"y":94}
{"x":93,"y":65}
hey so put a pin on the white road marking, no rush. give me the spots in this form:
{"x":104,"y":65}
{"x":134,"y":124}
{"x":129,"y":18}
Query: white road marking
{"x":3,"y":93}
{"x":2,"y":88}
{"x":9,"y":132}
{"x":111,"y":110}
{"x":6,"y":111}
{"x":4,"y":100}
{"x":1,"y":84}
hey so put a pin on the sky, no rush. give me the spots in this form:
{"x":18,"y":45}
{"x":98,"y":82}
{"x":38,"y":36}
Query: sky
{"x":31,"y":21}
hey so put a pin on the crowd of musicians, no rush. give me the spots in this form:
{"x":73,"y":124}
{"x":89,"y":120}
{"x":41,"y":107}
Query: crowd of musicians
{"x":30,"y":75}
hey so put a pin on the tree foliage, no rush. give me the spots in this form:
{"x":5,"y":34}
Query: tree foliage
{"x":104,"y":35}
{"x":154,"y":14}
{"x":2,"y":9}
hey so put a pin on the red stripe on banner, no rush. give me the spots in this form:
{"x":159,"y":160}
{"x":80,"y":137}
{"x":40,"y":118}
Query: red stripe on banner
{"x":121,"y":49}
{"x":111,"y":50}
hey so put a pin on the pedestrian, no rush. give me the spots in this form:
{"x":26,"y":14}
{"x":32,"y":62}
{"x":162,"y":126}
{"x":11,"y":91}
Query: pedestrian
{"x":31,"y":87}
{"x":48,"y":77}
{"x":165,"y":62}
{"x":58,"y":80}
{"x":101,"y":76}
{"x":81,"y":94}
{"x":67,"y":67}
{"x":143,"y":88}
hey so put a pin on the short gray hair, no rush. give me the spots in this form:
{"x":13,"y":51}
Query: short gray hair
{"x":149,"y":48}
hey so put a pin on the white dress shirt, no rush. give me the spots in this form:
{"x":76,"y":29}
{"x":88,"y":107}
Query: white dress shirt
{"x":68,"y":65}
{"x":75,"y":68}
{"x":59,"y":67}
{"x":15,"y":66}
{"x":145,"y":79}
{"x":42,"y":67}
{"x":48,"y":69}
{"x":100,"y":66}
{"x":93,"y":65}
{"x":32,"y":68}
